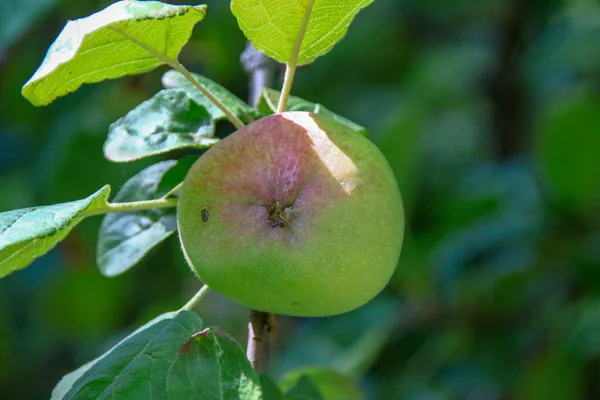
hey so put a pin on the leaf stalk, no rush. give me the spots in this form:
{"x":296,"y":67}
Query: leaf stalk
{"x":176,"y":65}
{"x":290,"y":68}
{"x":173,"y":191}
{"x":189,"y":306}
{"x":131,"y":206}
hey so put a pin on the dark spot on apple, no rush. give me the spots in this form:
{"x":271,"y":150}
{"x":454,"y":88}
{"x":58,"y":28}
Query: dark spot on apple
{"x":295,"y":304}
{"x":205,"y":215}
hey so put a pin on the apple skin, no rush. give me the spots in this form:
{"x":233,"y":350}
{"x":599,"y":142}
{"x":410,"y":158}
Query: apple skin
{"x":292,"y":214}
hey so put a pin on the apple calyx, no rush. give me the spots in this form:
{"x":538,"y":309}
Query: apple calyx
{"x":279,"y":215}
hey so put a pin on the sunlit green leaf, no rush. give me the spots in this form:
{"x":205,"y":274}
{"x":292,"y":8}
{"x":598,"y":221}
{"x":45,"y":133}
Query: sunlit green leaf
{"x":273,"y":26}
{"x":267,"y":105}
{"x":137,"y":367}
{"x":126,"y":238}
{"x":174,"y":79}
{"x":28,"y":233}
{"x":169,"y":121}
{"x":213,"y":366}
{"x":92,"y":49}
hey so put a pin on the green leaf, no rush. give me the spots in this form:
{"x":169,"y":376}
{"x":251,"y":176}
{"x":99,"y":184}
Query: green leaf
{"x":175,"y":175}
{"x":371,"y":325}
{"x":28,"y":233}
{"x":169,"y":121}
{"x":126,"y":238}
{"x":67,"y":381}
{"x":267,"y":105}
{"x":92,"y":49}
{"x":212,"y":365}
{"x":568,"y":151}
{"x":137,"y":367}
{"x":303,"y":389}
{"x":273,"y":26}
{"x":557,"y":374}
{"x":174,"y":79}
{"x":331,"y":384}
{"x":269,"y":388}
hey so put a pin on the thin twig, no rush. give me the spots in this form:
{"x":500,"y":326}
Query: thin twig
{"x":260,"y":69}
{"x":258,"y":341}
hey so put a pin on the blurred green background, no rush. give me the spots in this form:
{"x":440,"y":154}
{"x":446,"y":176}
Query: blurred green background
{"x":488,"y":112}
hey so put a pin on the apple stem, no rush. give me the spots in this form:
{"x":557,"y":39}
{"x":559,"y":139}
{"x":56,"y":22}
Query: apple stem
{"x":196,"y":299}
{"x":290,"y":68}
{"x":131,"y":206}
{"x":177,"y":66}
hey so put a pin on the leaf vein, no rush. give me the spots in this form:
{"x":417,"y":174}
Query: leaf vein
{"x":336,"y":28}
{"x":113,"y":66}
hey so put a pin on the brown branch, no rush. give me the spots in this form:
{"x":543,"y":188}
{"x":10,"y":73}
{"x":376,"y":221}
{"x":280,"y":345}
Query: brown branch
{"x":259,"y":327}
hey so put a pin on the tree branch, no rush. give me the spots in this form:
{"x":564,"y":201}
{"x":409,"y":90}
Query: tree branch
{"x":506,"y":89}
{"x":257,"y":352}
{"x":260,"y":68}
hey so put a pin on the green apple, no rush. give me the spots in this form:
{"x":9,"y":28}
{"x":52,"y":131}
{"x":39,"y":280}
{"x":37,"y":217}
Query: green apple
{"x":293,"y":214}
